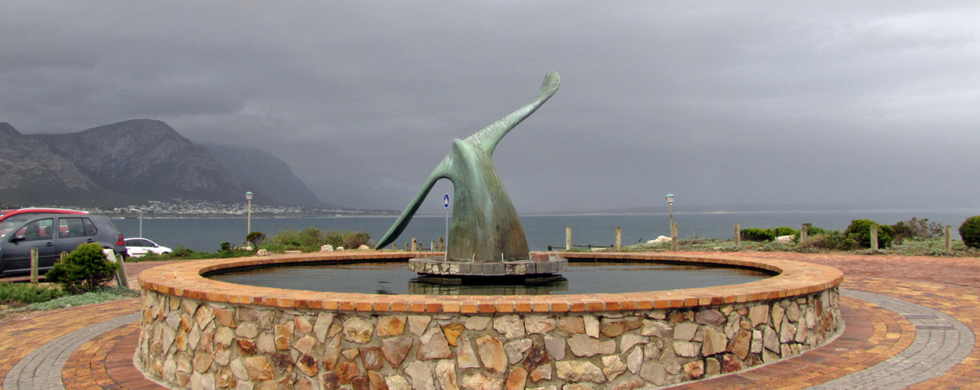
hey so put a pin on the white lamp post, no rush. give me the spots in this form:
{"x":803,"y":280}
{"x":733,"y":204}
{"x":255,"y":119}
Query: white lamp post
{"x":248,"y":196}
{"x":141,"y":222}
{"x":673,"y":236}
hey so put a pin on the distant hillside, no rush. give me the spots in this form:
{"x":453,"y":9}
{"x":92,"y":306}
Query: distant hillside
{"x":260,"y":171}
{"x":32,"y":174}
{"x":147,"y":159}
{"x":129,"y":163}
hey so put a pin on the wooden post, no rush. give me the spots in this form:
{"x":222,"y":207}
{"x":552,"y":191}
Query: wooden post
{"x":64,"y":255}
{"x":673,"y":237}
{"x":121,"y":277}
{"x":738,"y":234}
{"x":949,"y":233}
{"x":805,"y":232}
{"x":415,"y":244}
{"x":874,"y":237}
{"x":568,"y":238}
{"x":407,"y":245}
{"x":393,"y":247}
{"x":34,"y":265}
{"x":441,"y":244}
{"x":619,"y":238}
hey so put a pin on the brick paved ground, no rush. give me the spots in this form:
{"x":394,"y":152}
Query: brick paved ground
{"x":873,"y":335}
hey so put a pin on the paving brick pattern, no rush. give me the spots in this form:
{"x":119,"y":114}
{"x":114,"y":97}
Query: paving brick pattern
{"x":871,"y":336}
{"x":941,"y":342}
{"x":41,"y":369}
{"x":876,"y":336}
{"x":22,"y":335}
{"x":106,"y":362}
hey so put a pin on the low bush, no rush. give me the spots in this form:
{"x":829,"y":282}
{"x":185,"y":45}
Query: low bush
{"x":813,"y":230}
{"x":785,"y":231}
{"x":255,"y":238}
{"x":28,"y":293}
{"x":99,"y":295}
{"x":832,"y":240}
{"x":916,"y":229}
{"x":970,"y":232}
{"x":752,"y":234}
{"x":353,"y":240}
{"x":311,"y":239}
{"x":85,"y":269}
{"x":860,"y":230}
{"x":182,"y":253}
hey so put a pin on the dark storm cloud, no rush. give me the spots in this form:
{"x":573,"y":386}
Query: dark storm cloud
{"x":719,"y":103}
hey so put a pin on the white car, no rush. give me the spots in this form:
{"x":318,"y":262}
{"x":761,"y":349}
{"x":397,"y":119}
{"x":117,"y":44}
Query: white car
{"x":138,"y":247}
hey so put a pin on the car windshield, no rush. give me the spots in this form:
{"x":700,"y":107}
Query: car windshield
{"x":9,"y":224}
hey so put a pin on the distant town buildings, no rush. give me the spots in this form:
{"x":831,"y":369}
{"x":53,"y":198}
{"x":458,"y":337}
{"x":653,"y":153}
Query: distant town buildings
{"x":180,"y":207}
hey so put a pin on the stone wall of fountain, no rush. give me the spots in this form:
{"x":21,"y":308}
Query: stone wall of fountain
{"x":199,"y":333}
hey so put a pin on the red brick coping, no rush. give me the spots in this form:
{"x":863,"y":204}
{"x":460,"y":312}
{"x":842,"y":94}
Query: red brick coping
{"x":793,"y":279}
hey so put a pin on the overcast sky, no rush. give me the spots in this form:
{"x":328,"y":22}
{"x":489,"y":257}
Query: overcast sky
{"x":719,"y":103}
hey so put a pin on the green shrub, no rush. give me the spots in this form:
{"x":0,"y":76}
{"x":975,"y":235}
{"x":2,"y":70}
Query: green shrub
{"x":85,"y":269}
{"x":285,"y":238}
{"x":225,"y":246}
{"x":970,"y":232}
{"x":813,"y":230}
{"x":831,"y":240}
{"x":785,"y":231}
{"x":353,"y":240}
{"x":916,"y":229}
{"x":255,"y":238}
{"x":28,"y":293}
{"x":181,"y":253}
{"x":860,"y":230}
{"x":313,"y":238}
{"x":752,"y":234}
{"x":310,"y":236}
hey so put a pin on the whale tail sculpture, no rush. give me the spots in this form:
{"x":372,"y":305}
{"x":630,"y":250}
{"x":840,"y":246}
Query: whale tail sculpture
{"x":485,"y":227}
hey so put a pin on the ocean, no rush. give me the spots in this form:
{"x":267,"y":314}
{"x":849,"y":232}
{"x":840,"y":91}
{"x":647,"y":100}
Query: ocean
{"x":207,"y":234}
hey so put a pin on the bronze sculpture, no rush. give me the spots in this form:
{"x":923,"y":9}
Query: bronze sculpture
{"x":485,"y":227}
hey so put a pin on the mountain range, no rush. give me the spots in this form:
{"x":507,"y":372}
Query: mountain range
{"x":134,"y":161}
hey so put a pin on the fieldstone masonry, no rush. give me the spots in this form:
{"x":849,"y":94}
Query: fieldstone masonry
{"x":188,"y":343}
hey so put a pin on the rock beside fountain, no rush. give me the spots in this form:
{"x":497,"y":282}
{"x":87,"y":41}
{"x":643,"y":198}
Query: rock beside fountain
{"x":785,"y":239}
{"x":659,"y":240}
{"x":326,"y":248}
{"x":262,"y":252}
{"x":363,"y":248}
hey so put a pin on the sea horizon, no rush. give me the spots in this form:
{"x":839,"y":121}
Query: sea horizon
{"x":541,"y":230}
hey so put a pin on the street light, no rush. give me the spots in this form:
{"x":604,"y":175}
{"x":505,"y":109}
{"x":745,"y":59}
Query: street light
{"x":141,"y":222}
{"x":673,"y":238}
{"x":248,"y":196}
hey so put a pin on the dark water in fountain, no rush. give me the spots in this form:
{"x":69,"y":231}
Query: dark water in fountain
{"x":581,"y":278}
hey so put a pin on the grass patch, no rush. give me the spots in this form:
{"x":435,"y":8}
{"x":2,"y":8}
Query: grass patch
{"x":23,"y":297}
{"x":104,"y":294}
{"x":182,"y":253}
{"x":308,"y":240}
{"x":908,"y":247}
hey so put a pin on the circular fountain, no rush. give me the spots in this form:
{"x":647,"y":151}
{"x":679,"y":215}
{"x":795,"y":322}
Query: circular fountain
{"x":198,"y":331}
{"x":202,"y":333}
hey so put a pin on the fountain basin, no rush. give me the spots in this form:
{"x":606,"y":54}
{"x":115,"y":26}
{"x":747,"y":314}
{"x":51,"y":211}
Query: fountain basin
{"x":197,"y":331}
